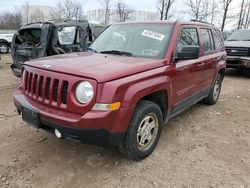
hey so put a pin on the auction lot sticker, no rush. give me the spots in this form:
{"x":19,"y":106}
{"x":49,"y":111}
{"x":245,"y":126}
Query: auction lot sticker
{"x":153,"y":34}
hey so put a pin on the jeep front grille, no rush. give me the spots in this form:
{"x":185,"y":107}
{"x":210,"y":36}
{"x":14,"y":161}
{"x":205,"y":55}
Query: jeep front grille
{"x":237,"y":51}
{"x":46,"y":89}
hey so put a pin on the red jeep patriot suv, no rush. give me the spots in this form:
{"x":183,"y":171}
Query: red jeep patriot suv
{"x":132,"y":80}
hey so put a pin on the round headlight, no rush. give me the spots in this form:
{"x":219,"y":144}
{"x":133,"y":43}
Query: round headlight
{"x":84,"y":92}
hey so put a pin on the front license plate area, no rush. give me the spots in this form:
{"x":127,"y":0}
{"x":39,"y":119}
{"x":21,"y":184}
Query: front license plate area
{"x":31,"y":117}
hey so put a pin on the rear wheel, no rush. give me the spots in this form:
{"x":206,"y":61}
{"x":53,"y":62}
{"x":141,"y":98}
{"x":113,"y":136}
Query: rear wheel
{"x":143,"y":132}
{"x":214,"y":93}
{"x":4,"y":48}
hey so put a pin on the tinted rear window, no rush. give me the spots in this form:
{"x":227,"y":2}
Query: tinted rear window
{"x":30,"y":36}
{"x":206,"y":40}
{"x":218,"y":40}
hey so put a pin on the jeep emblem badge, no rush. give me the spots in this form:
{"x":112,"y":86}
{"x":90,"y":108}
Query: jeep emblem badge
{"x":46,"y":66}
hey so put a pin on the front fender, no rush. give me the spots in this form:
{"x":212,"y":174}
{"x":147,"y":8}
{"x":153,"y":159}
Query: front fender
{"x":131,"y":89}
{"x":141,"y":89}
{"x":220,"y":66}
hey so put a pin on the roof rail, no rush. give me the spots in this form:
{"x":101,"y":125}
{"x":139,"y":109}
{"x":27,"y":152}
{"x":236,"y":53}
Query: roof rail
{"x":33,"y":23}
{"x":193,"y":20}
{"x":58,"y":20}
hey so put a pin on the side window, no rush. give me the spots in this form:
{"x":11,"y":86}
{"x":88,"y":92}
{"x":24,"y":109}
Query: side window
{"x":206,"y":40}
{"x":218,"y":40}
{"x":188,"y":36}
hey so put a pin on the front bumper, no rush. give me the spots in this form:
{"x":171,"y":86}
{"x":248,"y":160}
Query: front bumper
{"x":101,"y":128}
{"x":17,"y":72}
{"x":237,"y":62}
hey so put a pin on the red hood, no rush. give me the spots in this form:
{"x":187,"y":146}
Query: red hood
{"x":100,"y":67}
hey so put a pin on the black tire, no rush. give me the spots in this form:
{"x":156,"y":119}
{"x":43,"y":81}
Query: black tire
{"x":214,"y":93}
{"x":143,"y":112}
{"x":4,"y":48}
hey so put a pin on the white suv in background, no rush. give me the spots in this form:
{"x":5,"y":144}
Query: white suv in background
{"x":238,"y":49}
{"x":5,"y":42}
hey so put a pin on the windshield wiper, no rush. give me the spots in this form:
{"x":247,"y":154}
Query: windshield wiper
{"x":232,"y":40}
{"x":116,"y":52}
{"x":246,"y":40}
{"x":90,"y":49}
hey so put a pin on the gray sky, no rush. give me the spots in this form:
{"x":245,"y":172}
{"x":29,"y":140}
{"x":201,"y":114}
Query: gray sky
{"x":149,"y":5}
{"x":87,"y":4}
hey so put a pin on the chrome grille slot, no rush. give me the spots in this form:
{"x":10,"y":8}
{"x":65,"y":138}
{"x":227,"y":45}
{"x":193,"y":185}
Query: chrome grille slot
{"x":237,"y":51}
{"x":55,"y":90}
{"x":35,"y":84}
{"x":30,"y":82}
{"x":64,"y":92}
{"x":47,"y":87}
{"x":40,"y":86}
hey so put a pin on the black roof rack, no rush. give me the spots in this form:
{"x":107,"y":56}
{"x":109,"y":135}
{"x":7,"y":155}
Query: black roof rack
{"x":67,"y":20}
{"x":193,"y":20}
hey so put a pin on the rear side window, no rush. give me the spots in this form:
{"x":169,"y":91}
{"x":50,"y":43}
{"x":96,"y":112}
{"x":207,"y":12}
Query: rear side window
{"x":29,"y":36}
{"x":206,"y":40}
{"x":218,"y":40}
{"x":66,"y":35}
{"x":188,"y":36}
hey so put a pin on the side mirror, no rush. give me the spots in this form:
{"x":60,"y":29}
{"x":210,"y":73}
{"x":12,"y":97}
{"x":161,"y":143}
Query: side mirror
{"x":188,"y":52}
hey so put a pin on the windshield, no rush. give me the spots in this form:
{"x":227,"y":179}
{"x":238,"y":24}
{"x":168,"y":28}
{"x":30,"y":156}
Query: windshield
{"x":240,"y":35}
{"x":67,"y":35}
{"x":140,"y":40}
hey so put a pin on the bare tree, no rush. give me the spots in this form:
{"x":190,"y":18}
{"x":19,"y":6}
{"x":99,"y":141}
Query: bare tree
{"x":58,"y":13}
{"x":198,"y":9}
{"x":163,"y":7}
{"x":78,"y":14}
{"x":168,"y":5}
{"x":10,"y":20}
{"x":241,"y":12}
{"x":26,"y":9}
{"x":213,"y":11}
{"x":247,"y":20}
{"x":226,"y":4}
{"x":244,"y":15}
{"x":37,"y":15}
{"x":106,"y":4}
{"x":67,"y":10}
{"x":123,"y":11}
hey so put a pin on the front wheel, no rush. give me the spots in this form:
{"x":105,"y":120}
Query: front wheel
{"x":4,"y":48}
{"x":214,"y":93}
{"x":143,"y":132}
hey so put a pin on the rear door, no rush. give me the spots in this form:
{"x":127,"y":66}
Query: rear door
{"x":208,"y":56}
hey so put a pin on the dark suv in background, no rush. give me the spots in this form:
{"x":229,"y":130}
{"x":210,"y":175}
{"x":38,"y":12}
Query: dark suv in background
{"x":238,"y":49}
{"x":41,"y":39}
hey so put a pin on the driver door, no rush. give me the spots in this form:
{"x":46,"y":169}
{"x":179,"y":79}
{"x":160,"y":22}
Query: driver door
{"x":188,"y":73}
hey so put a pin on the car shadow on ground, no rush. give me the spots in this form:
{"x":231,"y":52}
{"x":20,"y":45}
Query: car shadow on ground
{"x":238,"y":73}
{"x":97,"y":156}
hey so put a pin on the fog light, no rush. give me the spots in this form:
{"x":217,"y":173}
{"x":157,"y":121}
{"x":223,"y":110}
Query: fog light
{"x":58,"y":134}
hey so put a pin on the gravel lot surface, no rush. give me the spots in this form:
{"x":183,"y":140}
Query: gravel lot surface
{"x":206,"y":146}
